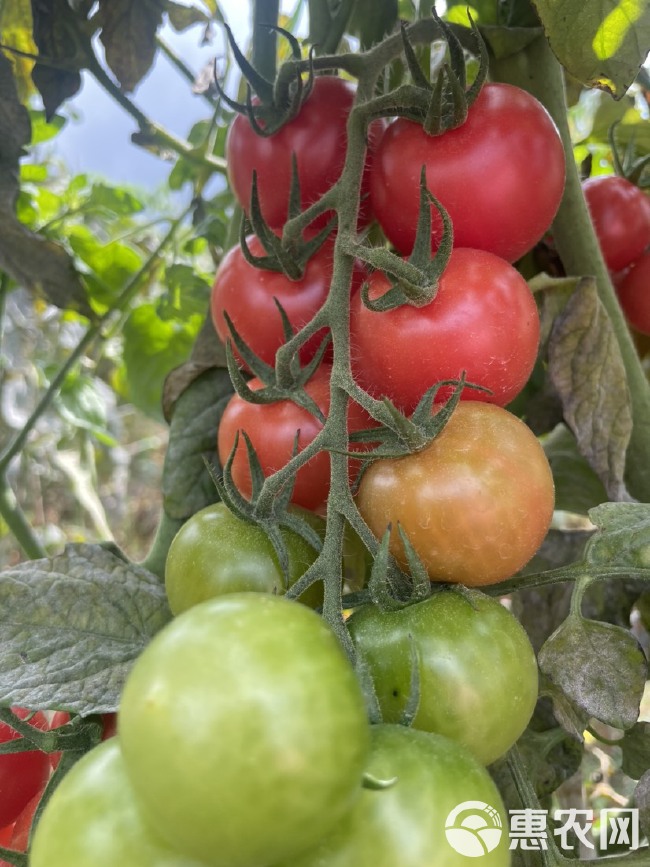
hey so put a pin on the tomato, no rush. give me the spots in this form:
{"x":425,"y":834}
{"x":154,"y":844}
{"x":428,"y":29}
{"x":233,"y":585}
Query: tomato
{"x":272,"y":429}
{"x":22,"y":775}
{"x":93,"y":818}
{"x":318,"y":138}
{"x":215,"y":552}
{"x":475,"y":503}
{"x":634,"y":294}
{"x":478,"y":678}
{"x":500,"y":175}
{"x":244,"y":730}
{"x":442,"y":801}
{"x":248,"y":295}
{"x":483,"y":320}
{"x":620,"y":212}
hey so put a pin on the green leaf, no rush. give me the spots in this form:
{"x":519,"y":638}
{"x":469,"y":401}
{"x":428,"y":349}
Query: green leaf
{"x":16,"y":31}
{"x":128,"y":34}
{"x":186,"y":485}
{"x":115,"y":200}
{"x":623,"y":540}
{"x":71,"y":627}
{"x":371,"y":20}
{"x":602,"y":43}
{"x":111,"y":265}
{"x":80,"y":403}
{"x":577,"y":487}
{"x":57,"y":39}
{"x":587,"y":371}
{"x":188,"y":293}
{"x":636,"y":750}
{"x":181,"y":17}
{"x":598,"y":666}
{"x":152,"y":347}
{"x":42,"y":129}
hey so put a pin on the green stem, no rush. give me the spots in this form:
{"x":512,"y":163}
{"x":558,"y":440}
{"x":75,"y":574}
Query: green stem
{"x":536,"y":69}
{"x":15,"y":519}
{"x":265,"y":13}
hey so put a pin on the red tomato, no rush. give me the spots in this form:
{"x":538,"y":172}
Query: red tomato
{"x":22,"y":775}
{"x":500,"y":175}
{"x":475,"y":503}
{"x":318,"y":138}
{"x":272,"y":429}
{"x":633,"y":292}
{"x":483,"y":320}
{"x":248,"y":294}
{"x":620,"y":212}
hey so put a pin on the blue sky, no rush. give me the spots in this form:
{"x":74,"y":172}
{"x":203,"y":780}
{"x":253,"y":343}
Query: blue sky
{"x":98,"y":142}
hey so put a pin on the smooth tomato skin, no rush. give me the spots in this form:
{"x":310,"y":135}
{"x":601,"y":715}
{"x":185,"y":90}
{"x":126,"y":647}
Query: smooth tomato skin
{"x":620,"y":212}
{"x":500,"y":175}
{"x":404,"y":824}
{"x":93,"y":818}
{"x":478,"y":680}
{"x":272,"y":430}
{"x":318,"y":138}
{"x":22,"y":775}
{"x":215,"y":553}
{"x":244,"y":730}
{"x":634,"y":294}
{"x":483,"y":320}
{"x":247,"y":294}
{"x":475,"y":503}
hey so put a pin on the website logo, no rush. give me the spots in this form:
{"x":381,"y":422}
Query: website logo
{"x":473,"y":828}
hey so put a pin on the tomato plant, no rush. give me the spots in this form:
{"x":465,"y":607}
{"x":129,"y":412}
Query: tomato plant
{"x":412,"y":822}
{"x":22,"y":774}
{"x":279,"y":734}
{"x":483,"y":321}
{"x":475,"y":503}
{"x":621,"y":215}
{"x":249,"y":295}
{"x":272,"y":429}
{"x":93,"y":817}
{"x":633,"y":290}
{"x":215,"y":552}
{"x":500,"y":175}
{"x":316,"y":137}
{"x":477,"y":669}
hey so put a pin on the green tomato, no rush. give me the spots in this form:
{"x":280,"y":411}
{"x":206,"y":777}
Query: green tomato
{"x":478,"y":676}
{"x":244,"y":730}
{"x":442,"y":810}
{"x":93,"y":819}
{"x":215,"y":553}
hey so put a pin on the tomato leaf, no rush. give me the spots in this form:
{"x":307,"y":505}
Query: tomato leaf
{"x":181,"y":17}
{"x":186,"y":483}
{"x":599,"y":666}
{"x":71,"y":626}
{"x":636,"y":750}
{"x":128,"y":35}
{"x":57,"y":38}
{"x":587,"y":371}
{"x":577,"y":487}
{"x":623,"y":539}
{"x":602,"y":43}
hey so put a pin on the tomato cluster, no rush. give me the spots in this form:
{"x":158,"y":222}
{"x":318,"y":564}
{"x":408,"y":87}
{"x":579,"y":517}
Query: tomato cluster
{"x":243,"y":734}
{"x":620,"y":212}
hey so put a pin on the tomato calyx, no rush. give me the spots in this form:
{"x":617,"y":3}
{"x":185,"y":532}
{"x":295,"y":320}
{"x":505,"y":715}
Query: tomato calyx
{"x":415,"y":280}
{"x":287,"y":255}
{"x":626,"y":162}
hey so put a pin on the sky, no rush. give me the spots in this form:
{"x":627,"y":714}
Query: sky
{"x":98,"y":141}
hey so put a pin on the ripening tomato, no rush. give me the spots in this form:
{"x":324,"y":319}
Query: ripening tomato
{"x":317,"y":136}
{"x":22,"y":775}
{"x":483,"y":321}
{"x":272,"y":429}
{"x":248,"y":295}
{"x":244,"y":730}
{"x":478,"y":678}
{"x":633,"y":292}
{"x":94,"y":817}
{"x":620,"y":212}
{"x":500,"y":175}
{"x":475,"y":503}
{"x":441,"y":809}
